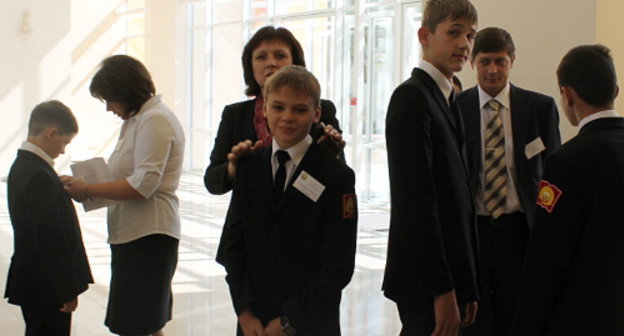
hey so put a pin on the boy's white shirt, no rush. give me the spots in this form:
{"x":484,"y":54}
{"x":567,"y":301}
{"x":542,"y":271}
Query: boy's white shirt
{"x":443,"y":83}
{"x":296,"y":152}
{"x":598,"y":115}
{"x":31,"y":147}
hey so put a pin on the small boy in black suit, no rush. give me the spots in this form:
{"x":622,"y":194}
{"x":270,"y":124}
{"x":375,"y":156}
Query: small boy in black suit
{"x":49,"y":267}
{"x":289,"y":239}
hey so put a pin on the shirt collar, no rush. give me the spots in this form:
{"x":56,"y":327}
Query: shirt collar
{"x":296,"y":152}
{"x":443,"y":83}
{"x":150,"y":103}
{"x":31,"y":147}
{"x":503,"y":97}
{"x":598,"y":115}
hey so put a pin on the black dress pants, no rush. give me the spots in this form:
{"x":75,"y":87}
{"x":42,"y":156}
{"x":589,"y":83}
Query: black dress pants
{"x":418,"y":319}
{"x":46,"y":322}
{"x":502,"y":245}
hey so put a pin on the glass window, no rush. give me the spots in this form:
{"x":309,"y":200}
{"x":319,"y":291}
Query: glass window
{"x":285,"y":7}
{"x":136,"y":46}
{"x":227,"y":70}
{"x":412,"y":17}
{"x":379,"y":82}
{"x":134,"y":21}
{"x":358,"y":61}
{"x":136,"y":24}
{"x":316,"y":38}
{"x":346,"y":95}
{"x":259,"y":9}
{"x":255,"y":25}
{"x":227,"y":11}
{"x":135,"y":4}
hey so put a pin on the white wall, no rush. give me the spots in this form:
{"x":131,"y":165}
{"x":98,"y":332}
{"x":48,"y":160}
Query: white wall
{"x":609,"y":28}
{"x":69,"y":39}
{"x":543,"y":31}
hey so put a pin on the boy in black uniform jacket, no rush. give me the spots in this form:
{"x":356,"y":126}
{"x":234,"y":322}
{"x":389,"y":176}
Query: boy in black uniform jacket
{"x":289,"y":245}
{"x":431,"y":264}
{"x":49,"y":267}
{"x":573,"y":271}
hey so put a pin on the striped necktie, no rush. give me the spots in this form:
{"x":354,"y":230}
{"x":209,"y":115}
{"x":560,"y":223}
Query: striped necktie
{"x":495,"y":180}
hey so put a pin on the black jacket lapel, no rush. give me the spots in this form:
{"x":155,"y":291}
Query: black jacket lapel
{"x":309,"y":161}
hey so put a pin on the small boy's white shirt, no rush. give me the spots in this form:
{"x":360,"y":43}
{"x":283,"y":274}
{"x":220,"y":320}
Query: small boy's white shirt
{"x":296,"y":152}
{"x":31,"y":147}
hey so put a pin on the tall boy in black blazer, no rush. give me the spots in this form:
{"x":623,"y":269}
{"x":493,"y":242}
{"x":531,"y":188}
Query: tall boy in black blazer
{"x":431,"y":268}
{"x":49,"y":267}
{"x":288,"y":244}
{"x":530,"y":132}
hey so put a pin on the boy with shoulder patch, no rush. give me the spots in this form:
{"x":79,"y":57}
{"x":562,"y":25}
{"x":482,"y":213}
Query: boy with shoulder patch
{"x":289,"y":240}
{"x":431,"y":269}
{"x":572,"y":277}
{"x":49,"y":267}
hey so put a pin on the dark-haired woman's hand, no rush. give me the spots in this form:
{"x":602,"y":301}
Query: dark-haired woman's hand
{"x":331,"y":139}
{"x":241,"y":149}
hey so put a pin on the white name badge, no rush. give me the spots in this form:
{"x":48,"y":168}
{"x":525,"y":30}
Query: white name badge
{"x":309,"y":186}
{"x":534,"y":147}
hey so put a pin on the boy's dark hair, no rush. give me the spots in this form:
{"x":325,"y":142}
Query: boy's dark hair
{"x":125,"y":80}
{"x":52,"y":113}
{"x":297,"y":79}
{"x":589,"y":70}
{"x":493,"y":39}
{"x":265,"y":34}
{"x":436,"y":11}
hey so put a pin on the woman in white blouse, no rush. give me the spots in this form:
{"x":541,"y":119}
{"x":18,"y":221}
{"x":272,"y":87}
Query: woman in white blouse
{"x":144,"y":226}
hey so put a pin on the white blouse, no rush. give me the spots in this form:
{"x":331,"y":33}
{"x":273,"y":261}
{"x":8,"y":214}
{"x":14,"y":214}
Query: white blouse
{"x":149,"y":155}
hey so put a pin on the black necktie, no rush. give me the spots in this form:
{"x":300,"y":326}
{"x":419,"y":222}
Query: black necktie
{"x":453,"y":105}
{"x":280,"y":175}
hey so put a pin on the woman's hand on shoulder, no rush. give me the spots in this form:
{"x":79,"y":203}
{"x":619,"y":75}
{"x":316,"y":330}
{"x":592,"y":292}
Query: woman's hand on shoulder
{"x":331,"y":139}
{"x":241,"y":149}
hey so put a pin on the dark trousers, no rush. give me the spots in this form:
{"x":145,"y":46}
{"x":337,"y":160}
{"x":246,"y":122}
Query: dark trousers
{"x":418,"y":319}
{"x":46,"y":322}
{"x":502,"y":245}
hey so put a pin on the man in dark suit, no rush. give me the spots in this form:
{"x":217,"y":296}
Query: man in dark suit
{"x":49,"y":267}
{"x":289,"y":239}
{"x":574,"y":271}
{"x":431,"y":268}
{"x":509,"y":133}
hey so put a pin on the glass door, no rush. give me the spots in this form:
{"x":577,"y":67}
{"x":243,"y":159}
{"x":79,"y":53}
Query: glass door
{"x":379,"y":54}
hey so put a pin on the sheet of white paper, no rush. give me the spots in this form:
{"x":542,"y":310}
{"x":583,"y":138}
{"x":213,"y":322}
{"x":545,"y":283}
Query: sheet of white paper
{"x":93,"y":171}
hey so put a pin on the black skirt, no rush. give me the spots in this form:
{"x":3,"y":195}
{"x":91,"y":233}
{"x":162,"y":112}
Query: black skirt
{"x":140,"y":298}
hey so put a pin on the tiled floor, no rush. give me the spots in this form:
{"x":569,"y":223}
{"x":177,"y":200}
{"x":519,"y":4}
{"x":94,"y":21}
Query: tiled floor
{"x":201,"y":300}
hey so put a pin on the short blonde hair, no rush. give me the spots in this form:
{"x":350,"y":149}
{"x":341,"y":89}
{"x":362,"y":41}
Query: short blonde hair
{"x":296,"y":78}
